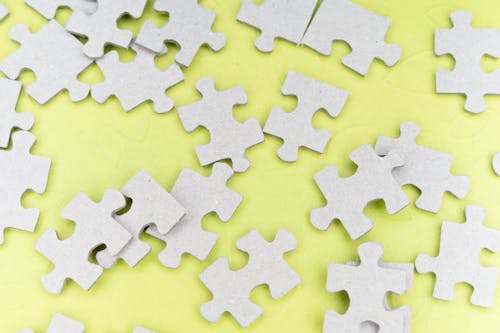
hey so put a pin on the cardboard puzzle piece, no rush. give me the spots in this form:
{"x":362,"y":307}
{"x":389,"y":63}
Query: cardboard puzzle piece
{"x":367,"y":285}
{"x":61,"y":324}
{"x":467,"y":46}
{"x":136,"y":82}
{"x":55,"y":57}
{"x":151,"y":205}
{"x":101,"y":27}
{"x":189,"y":26}
{"x":229,"y":138}
{"x":199,"y":196}
{"x":348,"y":197}
{"x":361,"y":28}
{"x":287,"y":19}
{"x":425,"y":168}
{"x":19,"y":172}
{"x":95,"y":226}
{"x":496,"y":163}
{"x":231,"y":289}
{"x":9,"y":95}
{"x":48,"y":8}
{"x":296,"y":128}
{"x":458,"y":259}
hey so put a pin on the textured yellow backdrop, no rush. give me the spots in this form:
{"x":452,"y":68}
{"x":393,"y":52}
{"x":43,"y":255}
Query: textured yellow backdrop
{"x":94,"y":147}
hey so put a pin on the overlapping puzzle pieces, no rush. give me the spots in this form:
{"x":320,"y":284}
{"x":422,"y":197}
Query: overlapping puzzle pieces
{"x":48,"y":8}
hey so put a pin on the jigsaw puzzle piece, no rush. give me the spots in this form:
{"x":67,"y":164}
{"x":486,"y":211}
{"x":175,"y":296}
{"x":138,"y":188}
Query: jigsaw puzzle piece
{"x":496,"y":163}
{"x":4,"y":12}
{"x":48,"y":8}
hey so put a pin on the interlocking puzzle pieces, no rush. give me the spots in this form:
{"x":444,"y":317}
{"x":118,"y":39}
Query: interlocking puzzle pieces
{"x":48,"y":8}
{"x":367,"y":285}
{"x":199,"y":196}
{"x":95,"y":226}
{"x":348,"y":197}
{"x":231,"y":289}
{"x":54,"y":55}
{"x":296,"y":128}
{"x":287,"y":19}
{"x":458,"y":259}
{"x":189,"y":26}
{"x":151,"y":204}
{"x":4,"y":12}
{"x":61,"y":324}
{"x":19,"y":172}
{"x":362,"y":29}
{"x":496,"y":163}
{"x":136,"y":82}
{"x":467,"y":46}
{"x":100,"y":27}
{"x":427,"y":169}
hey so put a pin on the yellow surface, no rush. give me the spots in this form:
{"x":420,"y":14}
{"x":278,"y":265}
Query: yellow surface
{"x":94,"y":147}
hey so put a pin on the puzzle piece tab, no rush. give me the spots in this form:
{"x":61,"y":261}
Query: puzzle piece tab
{"x":48,"y":8}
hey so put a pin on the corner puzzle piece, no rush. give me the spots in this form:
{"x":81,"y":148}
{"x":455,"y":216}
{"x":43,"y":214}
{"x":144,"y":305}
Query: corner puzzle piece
{"x":9,"y":95}
{"x":231,"y":289}
{"x":229,"y":138}
{"x":427,"y":169}
{"x":458,"y":259}
{"x":48,"y":8}
{"x":55,"y":57}
{"x":100,"y":27}
{"x":4,"y":12}
{"x":362,"y":29}
{"x":189,"y":26}
{"x":142,"y":330}
{"x":296,"y":128}
{"x":199,"y":196}
{"x":19,"y":172}
{"x":287,"y":19}
{"x":496,"y":163}
{"x":367,"y":285}
{"x":61,"y":324}
{"x":151,"y":204}
{"x":95,"y":226}
{"x":348,"y":197}
{"x":136,"y":82}
{"x":467,"y":46}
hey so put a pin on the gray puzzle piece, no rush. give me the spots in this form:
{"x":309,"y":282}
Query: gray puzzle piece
{"x":296,"y":128}
{"x":61,"y":324}
{"x":48,"y":8}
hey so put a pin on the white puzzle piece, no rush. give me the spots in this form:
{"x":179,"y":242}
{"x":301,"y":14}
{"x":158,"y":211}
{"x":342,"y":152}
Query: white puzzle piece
{"x":467,"y":46}
{"x":496,"y":163}
{"x":61,"y":324}
{"x":95,"y":226}
{"x":9,"y":95}
{"x":48,"y":8}
{"x":142,"y":330}
{"x":229,"y":138}
{"x":55,"y":57}
{"x":100,"y":27}
{"x":296,"y":128}
{"x":367,"y":285}
{"x":425,"y":168}
{"x":231,"y":289}
{"x":458,"y":259}
{"x":348,"y":197}
{"x":199,"y":196}
{"x":362,"y":29}
{"x":136,"y":82}
{"x":287,"y":19}
{"x":4,"y":12}
{"x":189,"y":26}
{"x":19,"y":172}
{"x":151,"y":204}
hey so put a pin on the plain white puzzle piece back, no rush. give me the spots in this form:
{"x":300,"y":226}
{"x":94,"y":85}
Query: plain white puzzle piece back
{"x":362,"y":29}
{"x":48,"y":8}
{"x":95,"y":226}
{"x":348,"y":197}
{"x":427,"y":169}
{"x":199,"y":196}
{"x":100,"y":27}
{"x":189,"y":26}
{"x":61,"y":324}
{"x":458,"y":259}
{"x":4,"y":12}
{"x":9,"y":95}
{"x":54,"y":55}
{"x":229,"y":138}
{"x":151,"y":204}
{"x":496,"y":163}
{"x":19,"y":172}
{"x":231,"y":289}
{"x":367,"y":285}
{"x":142,"y":330}
{"x":296,"y":128}
{"x":136,"y":82}
{"x":467,"y":46}
{"x":287,"y":19}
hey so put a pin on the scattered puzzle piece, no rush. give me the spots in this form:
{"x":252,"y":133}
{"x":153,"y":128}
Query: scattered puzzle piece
{"x":296,"y":128}
{"x":4,"y":12}
{"x":142,"y":330}
{"x":496,"y":163}
{"x":61,"y":324}
{"x":48,"y":8}
{"x":231,"y":289}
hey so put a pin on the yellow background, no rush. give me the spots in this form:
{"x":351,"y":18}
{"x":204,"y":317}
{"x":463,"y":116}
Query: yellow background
{"x":95,"y":147}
